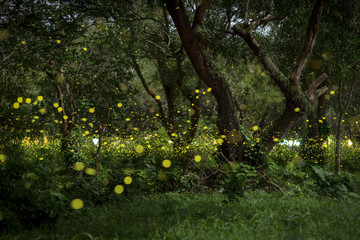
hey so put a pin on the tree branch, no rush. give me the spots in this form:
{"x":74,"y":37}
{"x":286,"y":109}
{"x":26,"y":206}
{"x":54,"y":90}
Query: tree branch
{"x":313,"y":27}
{"x":200,"y":12}
{"x":279,"y":78}
{"x":312,"y":91}
{"x":347,"y":104}
{"x":246,"y":19}
{"x":153,"y":95}
{"x":8,"y":56}
{"x":263,"y":21}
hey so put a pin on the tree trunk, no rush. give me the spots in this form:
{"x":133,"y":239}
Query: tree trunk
{"x":288,"y":118}
{"x":342,"y":110}
{"x":338,"y":143}
{"x":227,"y":121}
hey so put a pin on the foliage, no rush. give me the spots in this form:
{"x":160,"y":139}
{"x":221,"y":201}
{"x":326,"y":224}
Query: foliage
{"x":188,"y":216}
{"x":29,"y":192}
{"x":87,"y":153}
{"x":312,"y":148}
{"x":238,"y":175}
{"x":282,"y":155}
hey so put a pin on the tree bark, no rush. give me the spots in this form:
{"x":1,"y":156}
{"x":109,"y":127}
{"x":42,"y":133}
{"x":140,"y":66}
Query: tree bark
{"x":227,"y":122}
{"x":289,"y":86}
{"x":342,"y":110}
{"x":338,"y":143}
{"x":288,"y":118}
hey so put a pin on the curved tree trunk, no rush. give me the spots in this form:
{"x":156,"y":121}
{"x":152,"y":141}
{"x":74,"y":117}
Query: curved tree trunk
{"x":227,"y":122}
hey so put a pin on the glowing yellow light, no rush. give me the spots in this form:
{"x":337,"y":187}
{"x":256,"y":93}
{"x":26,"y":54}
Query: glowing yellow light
{"x":332,"y":92}
{"x":65,"y":117}
{"x":119,"y":105}
{"x":105,"y":182}
{"x":119,"y":189}
{"x":2,"y":157}
{"x":197,"y":158}
{"x":139,"y":148}
{"x":90,"y":171}
{"x":77,"y":204}
{"x":58,"y":41}
{"x":4,"y":34}
{"x":128,"y":180}
{"x":40,"y":98}
{"x":297,"y":109}
{"x":209,"y":89}
{"x":16,"y":105}
{"x":87,"y":132}
{"x":243,"y":106}
{"x":220,"y":141}
{"x":59,"y":109}
{"x":56,"y":105}
{"x":197,"y":90}
{"x":316,"y":64}
{"x":92,"y":110}
{"x":42,"y":110}
{"x":127,"y":119}
{"x":28,"y":100}
{"x":85,"y":49}
{"x":84,"y":119}
{"x":79,"y":166}
{"x":166,"y":163}
{"x":255,"y":128}
{"x":20,"y":99}
{"x":157,"y":97}
{"x":275,"y":139}
{"x":161,"y":175}
{"x":23,"y":42}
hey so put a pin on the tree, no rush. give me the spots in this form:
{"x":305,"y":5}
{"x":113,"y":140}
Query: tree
{"x":51,"y":56}
{"x":161,"y":48}
{"x":192,"y":37}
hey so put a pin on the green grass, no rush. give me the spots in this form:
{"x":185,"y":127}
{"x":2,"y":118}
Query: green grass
{"x":183,"y":216}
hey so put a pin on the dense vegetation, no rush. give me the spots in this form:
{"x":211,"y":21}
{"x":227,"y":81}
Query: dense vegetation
{"x":179,"y":119}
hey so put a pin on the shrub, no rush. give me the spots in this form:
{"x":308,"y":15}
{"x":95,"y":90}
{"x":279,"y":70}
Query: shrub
{"x":27,"y":192}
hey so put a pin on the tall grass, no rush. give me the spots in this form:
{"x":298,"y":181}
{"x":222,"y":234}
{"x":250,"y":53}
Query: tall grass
{"x":184,"y":216}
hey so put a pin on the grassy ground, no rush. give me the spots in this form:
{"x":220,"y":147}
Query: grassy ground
{"x":179,"y":216}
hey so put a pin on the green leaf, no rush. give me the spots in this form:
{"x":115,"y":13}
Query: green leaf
{"x":319,"y":172}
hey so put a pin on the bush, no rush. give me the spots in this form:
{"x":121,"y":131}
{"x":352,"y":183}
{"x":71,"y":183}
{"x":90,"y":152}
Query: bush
{"x":282,"y":155}
{"x":27,"y":192}
{"x":350,"y":158}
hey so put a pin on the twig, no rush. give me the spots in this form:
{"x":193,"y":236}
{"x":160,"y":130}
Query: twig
{"x":246,"y":11}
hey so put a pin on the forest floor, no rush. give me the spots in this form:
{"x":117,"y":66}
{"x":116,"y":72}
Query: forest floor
{"x":259,"y":215}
